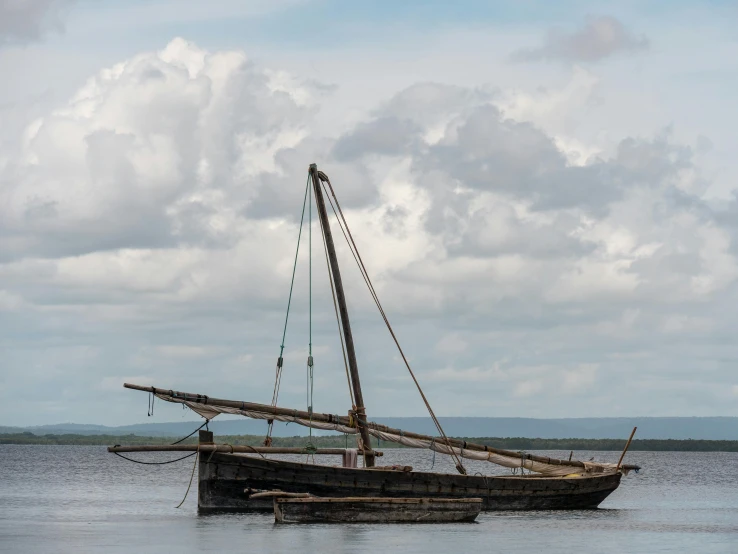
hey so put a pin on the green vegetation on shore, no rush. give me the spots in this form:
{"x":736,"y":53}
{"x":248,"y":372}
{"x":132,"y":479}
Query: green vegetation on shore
{"x":338,"y":441}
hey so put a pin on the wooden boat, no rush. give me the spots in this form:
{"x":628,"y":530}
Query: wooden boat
{"x":223,"y":475}
{"x":376,"y":510}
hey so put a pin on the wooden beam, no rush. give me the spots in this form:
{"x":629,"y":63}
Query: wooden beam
{"x":344,"y":420}
{"x":627,"y":445}
{"x":246,"y":406}
{"x":343,"y":310}
{"x":227,"y":448}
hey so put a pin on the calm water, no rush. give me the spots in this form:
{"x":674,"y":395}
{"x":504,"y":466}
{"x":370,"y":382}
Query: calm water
{"x":82,"y":499}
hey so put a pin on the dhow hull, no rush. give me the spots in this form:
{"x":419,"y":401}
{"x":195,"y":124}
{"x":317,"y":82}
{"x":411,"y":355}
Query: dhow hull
{"x":224,"y":477}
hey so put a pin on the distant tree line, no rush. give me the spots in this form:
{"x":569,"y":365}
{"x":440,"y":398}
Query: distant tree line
{"x":339,"y":441}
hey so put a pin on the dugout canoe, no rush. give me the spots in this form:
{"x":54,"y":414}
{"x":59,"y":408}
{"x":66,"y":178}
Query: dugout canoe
{"x":376,"y":510}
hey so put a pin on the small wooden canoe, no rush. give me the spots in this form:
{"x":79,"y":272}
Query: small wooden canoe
{"x":376,"y":510}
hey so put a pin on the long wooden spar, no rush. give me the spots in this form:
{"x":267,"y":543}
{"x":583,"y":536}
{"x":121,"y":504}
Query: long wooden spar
{"x":230,"y":449}
{"x":343,"y":309}
{"x":346,"y":421}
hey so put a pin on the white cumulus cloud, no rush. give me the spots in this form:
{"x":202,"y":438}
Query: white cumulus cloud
{"x":148,"y":227}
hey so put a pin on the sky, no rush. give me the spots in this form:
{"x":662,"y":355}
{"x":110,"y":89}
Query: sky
{"x":544,"y":195}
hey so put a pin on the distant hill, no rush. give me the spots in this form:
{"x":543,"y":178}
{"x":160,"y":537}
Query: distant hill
{"x":680,"y":428}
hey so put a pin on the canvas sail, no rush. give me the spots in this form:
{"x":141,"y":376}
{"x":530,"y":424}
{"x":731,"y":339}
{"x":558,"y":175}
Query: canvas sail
{"x":210,"y":408}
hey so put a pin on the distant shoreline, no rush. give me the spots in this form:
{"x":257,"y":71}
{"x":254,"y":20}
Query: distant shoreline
{"x":513,"y":443}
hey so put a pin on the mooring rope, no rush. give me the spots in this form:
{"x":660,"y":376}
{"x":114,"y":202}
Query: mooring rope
{"x":192,"y":475}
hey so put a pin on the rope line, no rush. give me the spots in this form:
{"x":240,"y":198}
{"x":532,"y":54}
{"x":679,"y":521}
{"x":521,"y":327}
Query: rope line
{"x":194,"y":465}
{"x":255,"y":451}
{"x":309,"y":388}
{"x":343,"y":346}
{"x":362,"y":268}
{"x":338,"y":318}
{"x":310,"y":273}
{"x":153,"y":463}
{"x":280,"y":359}
{"x":193,"y":432}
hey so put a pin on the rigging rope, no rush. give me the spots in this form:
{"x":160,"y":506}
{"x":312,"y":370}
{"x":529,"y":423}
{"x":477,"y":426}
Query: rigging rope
{"x":280,"y":359}
{"x":153,"y":463}
{"x":193,"y":432}
{"x":338,"y":318}
{"x":362,"y":268}
{"x":340,"y":336}
{"x":172,"y":444}
{"x":309,"y":388}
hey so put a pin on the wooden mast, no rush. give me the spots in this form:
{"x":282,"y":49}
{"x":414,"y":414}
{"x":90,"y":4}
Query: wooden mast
{"x":343,"y":310}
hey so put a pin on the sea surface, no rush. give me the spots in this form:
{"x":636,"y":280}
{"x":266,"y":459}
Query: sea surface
{"x":83,"y":499}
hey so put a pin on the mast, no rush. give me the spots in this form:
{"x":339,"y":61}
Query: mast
{"x":341,"y":298}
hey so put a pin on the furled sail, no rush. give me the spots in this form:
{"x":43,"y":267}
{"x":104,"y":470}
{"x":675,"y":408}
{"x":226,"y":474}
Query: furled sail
{"x":211,"y":407}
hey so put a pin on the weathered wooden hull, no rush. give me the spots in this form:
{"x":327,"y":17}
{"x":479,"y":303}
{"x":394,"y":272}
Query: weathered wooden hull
{"x":223,"y":478}
{"x":376,"y":510}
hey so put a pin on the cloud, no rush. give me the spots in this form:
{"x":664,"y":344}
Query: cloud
{"x":160,"y":150}
{"x":522,"y":381}
{"x":383,"y":136}
{"x":600,"y":38}
{"x":148,"y":227}
{"x":519,"y":224}
{"x":24,"y":21}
